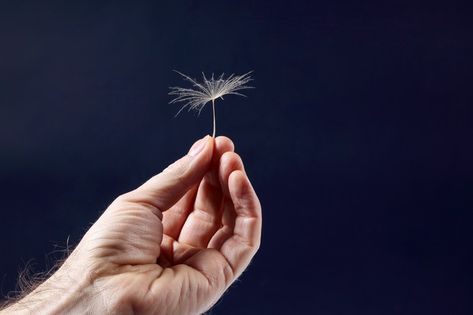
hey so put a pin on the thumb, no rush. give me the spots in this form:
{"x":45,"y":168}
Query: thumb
{"x":165,"y":189}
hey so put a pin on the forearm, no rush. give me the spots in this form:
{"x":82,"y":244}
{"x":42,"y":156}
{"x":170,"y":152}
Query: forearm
{"x":64,"y":292}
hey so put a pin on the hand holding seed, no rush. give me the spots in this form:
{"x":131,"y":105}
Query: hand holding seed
{"x":171,"y":246}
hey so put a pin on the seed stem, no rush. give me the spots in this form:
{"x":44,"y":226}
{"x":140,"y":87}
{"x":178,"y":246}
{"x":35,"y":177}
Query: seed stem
{"x":215,"y":122}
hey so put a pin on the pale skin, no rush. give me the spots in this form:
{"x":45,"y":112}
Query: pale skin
{"x":171,"y":246}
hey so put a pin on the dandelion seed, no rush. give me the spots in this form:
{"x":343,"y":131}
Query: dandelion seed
{"x":196,"y":97}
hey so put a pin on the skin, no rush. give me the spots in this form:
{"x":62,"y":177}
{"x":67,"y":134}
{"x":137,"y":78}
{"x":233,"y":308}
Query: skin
{"x":171,"y":246}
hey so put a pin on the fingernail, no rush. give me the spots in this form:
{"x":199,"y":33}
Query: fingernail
{"x":198,"y":146}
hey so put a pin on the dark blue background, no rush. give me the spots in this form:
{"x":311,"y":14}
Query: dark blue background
{"x":358,"y":138}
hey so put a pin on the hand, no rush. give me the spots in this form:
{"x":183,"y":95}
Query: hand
{"x":171,"y":246}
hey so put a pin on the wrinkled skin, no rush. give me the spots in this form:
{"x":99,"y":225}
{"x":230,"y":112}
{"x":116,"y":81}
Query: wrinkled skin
{"x":171,"y":246}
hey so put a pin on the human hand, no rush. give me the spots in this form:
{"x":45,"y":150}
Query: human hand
{"x":171,"y":246}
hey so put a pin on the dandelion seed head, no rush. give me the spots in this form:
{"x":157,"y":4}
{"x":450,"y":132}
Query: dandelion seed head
{"x":209,"y":89}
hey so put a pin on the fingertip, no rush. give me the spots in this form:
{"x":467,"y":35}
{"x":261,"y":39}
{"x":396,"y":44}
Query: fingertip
{"x":240,"y":186}
{"x":210,"y":143}
{"x":224,"y":144}
{"x":209,"y":140}
{"x":229,"y":162}
{"x":237,"y":182}
{"x":200,"y":161}
{"x":243,"y":195}
{"x":205,"y":157}
{"x":200,"y":146}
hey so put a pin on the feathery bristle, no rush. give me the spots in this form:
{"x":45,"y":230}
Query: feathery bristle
{"x":209,"y":90}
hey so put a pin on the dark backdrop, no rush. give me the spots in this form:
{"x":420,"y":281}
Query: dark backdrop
{"x":358,"y":138}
